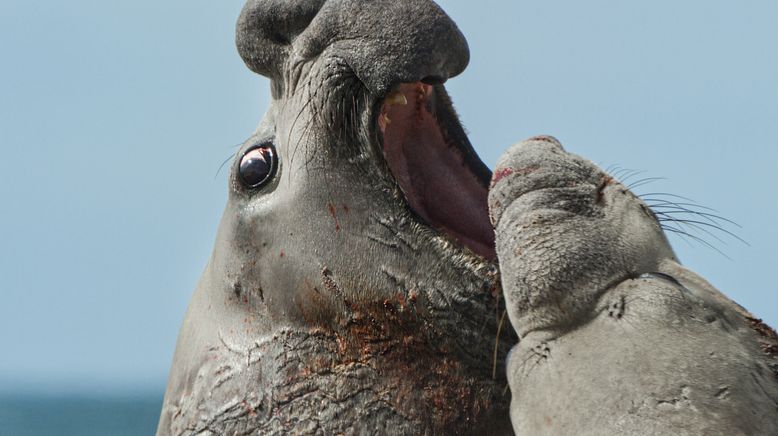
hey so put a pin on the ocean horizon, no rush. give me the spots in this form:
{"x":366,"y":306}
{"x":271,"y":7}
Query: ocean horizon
{"x":79,"y":414}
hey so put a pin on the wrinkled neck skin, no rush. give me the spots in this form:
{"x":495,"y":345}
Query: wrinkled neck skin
{"x":328,"y":305}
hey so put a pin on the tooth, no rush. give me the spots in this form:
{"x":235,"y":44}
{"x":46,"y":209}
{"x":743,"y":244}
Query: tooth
{"x":397,"y":97}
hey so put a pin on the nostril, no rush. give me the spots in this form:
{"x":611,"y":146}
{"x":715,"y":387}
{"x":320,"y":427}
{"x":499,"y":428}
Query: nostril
{"x":266,"y":29}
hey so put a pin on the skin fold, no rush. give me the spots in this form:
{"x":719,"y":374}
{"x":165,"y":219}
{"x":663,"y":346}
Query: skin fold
{"x":338,"y":299}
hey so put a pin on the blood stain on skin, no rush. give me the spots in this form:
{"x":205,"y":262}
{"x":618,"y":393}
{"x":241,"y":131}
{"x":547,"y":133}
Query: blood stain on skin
{"x":334,"y":215}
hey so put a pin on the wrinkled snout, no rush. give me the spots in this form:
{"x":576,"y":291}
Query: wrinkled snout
{"x":385,"y":42}
{"x":538,"y":165}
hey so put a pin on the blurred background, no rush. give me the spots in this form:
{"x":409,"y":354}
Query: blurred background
{"x":116,"y":116}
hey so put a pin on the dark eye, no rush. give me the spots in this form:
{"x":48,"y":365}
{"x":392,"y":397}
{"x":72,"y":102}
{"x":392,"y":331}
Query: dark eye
{"x":257,"y":166}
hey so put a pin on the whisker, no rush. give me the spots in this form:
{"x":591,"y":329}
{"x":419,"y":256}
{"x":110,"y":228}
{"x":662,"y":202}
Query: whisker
{"x":644,"y":181}
{"x":668,"y":195}
{"x":692,"y":226}
{"x":678,"y":232}
{"x":497,"y":344}
{"x":696,"y":238}
{"x":702,"y":223}
{"x":662,"y":201}
{"x":625,"y":176}
{"x":623,"y":173}
{"x":229,"y":158}
{"x":684,"y":217}
{"x":708,"y":216}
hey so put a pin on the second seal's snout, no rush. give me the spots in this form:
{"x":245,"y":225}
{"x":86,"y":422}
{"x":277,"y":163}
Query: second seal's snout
{"x":535,"y":163}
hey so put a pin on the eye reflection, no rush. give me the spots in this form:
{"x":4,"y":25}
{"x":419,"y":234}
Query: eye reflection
{"x":257,"y":166}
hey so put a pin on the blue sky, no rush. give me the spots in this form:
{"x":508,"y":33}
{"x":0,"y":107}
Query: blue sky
{"x":115,"y":117}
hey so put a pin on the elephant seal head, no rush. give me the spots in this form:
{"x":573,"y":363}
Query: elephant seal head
{"x":352,"y":284}
{"x":616,"y":336}
{"x":567,"y":231}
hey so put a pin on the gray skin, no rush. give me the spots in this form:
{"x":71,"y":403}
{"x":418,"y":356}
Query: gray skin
{"x":330,"y":306}
{"x":616,"y":336}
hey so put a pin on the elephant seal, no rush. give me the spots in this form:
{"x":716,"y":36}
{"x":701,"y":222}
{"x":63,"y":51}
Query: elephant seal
{"x":352,"y":288}
{"x":616,"y":336}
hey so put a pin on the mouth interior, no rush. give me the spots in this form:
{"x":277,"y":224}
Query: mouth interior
{"x":436,"y":174}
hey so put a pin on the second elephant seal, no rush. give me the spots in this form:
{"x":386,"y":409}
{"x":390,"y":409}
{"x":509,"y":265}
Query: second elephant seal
{"x":616,"y":336}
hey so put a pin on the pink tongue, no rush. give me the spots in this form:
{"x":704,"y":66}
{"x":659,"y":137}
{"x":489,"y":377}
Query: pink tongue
{"x":437,"y":183}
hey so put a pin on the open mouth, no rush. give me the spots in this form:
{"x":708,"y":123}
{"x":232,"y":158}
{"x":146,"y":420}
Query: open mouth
{"x":444,"y":181}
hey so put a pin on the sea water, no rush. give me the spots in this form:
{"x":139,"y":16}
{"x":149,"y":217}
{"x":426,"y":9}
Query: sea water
{"x":79,"y":415}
